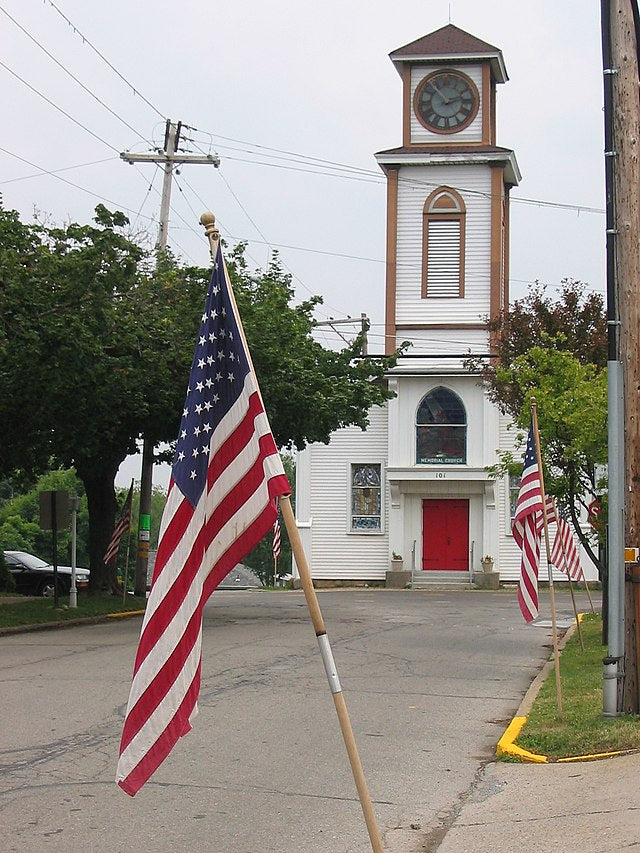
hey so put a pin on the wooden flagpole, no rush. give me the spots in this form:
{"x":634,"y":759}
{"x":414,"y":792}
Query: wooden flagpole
{"x":208,"y":221}
{"x":586,"y":586}
{"x":332,"y":673}
{"x":126,"y":562}
{"x":554,"y":621}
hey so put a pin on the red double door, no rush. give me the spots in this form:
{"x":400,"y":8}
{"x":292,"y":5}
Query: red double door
{"x":445,"y":535}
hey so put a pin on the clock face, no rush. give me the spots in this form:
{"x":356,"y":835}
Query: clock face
{"x":446,"y":101}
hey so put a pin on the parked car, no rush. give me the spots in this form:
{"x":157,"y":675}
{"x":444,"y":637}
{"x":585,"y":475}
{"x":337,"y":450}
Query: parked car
{"x":34,"y":576}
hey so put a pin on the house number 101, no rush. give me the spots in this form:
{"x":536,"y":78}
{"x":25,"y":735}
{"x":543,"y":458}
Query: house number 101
{"x":440,"y":475}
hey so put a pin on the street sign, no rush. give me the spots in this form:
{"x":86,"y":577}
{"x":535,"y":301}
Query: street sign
{"x":51,"y":502}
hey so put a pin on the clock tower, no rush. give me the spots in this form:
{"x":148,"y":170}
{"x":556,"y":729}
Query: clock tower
{"x":414,"y":488}
{"x":447,"y":195}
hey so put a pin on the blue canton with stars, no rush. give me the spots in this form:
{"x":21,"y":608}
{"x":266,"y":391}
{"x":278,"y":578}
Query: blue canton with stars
{"x":217,"y":376}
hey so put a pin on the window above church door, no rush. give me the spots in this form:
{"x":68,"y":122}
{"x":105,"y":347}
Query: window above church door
{"x":443,"y":233}
{"x":441,"y":429}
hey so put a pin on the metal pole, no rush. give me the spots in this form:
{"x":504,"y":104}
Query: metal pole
{"x":73,"y":592}
{"x":54,"y":542}
{"x":615,"y":538}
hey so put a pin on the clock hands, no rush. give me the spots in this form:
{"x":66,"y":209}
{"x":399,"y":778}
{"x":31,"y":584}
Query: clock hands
{"x":442,"y":95}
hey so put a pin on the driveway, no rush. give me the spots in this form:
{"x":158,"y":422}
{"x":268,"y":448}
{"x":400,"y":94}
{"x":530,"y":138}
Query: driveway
{"x":430,"y":679}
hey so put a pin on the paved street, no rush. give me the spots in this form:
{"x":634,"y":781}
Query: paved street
{"x":430,"y":679}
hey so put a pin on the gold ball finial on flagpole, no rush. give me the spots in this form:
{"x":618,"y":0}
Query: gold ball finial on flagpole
{"x":208,"y":221}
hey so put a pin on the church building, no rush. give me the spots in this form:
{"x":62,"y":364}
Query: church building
{"x":412,"y":492}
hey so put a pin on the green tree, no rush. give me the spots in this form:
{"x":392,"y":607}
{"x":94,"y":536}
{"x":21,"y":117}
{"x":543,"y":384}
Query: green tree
{"x":555,"y":351}
{"x":20,"y":521}
{"x":96,"y":343}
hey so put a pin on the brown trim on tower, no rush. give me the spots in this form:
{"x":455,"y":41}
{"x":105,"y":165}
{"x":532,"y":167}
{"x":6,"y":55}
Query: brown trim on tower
{"x":406,"y":108}
{"x":486,"y":103}
{"x":507,"y":215}
{"x":392,"y":249}
{"x":497,"y":189}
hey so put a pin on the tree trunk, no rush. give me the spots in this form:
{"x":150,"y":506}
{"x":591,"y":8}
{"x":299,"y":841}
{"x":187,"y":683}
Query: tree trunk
{"x":102,"y":505}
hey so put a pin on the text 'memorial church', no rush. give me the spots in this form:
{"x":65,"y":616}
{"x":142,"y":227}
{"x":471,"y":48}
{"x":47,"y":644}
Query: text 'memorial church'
{"x":414,"y":484}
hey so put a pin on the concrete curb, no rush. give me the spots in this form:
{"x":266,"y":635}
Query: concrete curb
{"x":68,"y":623}
{"x":507,"y":746}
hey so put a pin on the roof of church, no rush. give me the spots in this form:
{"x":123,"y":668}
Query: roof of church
{"x":448,"y":39}
{"x":450,"y":42}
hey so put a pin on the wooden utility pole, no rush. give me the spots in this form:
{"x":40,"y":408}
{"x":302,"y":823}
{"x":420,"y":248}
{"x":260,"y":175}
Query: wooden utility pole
{"x":170,"y":158}
{"x":626,"y":152}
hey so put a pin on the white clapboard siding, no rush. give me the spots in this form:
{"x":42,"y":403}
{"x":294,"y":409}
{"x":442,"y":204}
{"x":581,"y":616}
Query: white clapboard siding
{"x":416,"y":183}
{"x":472,"y":133}
{"x":337,"y":553}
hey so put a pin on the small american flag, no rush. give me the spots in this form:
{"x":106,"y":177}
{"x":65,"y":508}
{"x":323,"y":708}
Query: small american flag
{"x":122,"y":527}
{"x":526,"y":530}
{"x":276,"y":540}
{"x":564,"y":553}
{"x":225,"y":480}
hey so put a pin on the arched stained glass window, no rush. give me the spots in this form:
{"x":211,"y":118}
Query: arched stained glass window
{"x":441,"y":429}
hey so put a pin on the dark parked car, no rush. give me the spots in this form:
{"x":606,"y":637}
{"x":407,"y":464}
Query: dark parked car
{"x":34,"y":576}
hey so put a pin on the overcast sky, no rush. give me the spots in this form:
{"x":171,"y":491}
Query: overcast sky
{"x":295,"y":98}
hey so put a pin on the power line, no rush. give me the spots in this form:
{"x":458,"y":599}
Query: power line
{"x":73,"y":77}
{"x":60,"y":110}
{"x":368,"y":175}
{"x":54,"y":172}
{"x":85,"y":40}
{"x":71,"y":184}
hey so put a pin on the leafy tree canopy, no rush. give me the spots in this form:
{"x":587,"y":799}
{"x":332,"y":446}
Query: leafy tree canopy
{"x":96,"y":341}
{"x":555,"y":352}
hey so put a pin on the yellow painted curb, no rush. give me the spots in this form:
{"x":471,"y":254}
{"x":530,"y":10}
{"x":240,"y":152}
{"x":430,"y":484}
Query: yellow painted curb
{"x":125,"y":613}
{"x":506,"y":745}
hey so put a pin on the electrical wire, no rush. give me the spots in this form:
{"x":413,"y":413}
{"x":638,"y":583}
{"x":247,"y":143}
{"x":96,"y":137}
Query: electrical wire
{"x":71,"y":183}
{"x":73,"y":77}
{"x":56,"y":171}
{"x":60,"y":110}
{"x":86,"y":41}
{"x":369,"y":173}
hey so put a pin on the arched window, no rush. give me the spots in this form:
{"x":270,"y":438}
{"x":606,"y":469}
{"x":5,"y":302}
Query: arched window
{"x":441,"y":429}
{"x":443,"y":245}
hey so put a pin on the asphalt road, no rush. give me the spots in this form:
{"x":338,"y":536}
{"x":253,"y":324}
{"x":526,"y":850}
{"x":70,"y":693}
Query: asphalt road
{"x":430,"y":680}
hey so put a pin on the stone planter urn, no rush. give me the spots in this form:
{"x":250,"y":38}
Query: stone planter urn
{"x":487,"y":563}
{"x":397,"y":563}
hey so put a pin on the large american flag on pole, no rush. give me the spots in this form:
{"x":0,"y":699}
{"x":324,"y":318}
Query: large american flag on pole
{"x":225,"y":480}
{"x":526,"y":530}
{"x":564,"y":553}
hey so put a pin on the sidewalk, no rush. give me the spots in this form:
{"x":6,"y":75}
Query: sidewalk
{"x":548,"y":808}
{"x":555,"y":807}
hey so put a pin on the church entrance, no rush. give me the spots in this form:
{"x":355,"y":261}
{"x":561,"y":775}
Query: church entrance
{"x":445,"y":535}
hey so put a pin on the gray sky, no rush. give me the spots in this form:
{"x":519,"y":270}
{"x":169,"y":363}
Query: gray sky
{"x":296,"y":98}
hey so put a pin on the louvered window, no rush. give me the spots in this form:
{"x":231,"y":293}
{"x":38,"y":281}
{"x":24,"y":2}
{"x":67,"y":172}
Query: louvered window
{"x":443,"y":245}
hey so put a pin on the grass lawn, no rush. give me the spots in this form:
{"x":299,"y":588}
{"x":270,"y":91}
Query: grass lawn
{"x":584,"y":730}
{"x":33,"y":611}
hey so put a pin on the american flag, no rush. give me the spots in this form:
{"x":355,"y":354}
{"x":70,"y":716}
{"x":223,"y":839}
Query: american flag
{"x":526,"y":530}
{"x":564,"y":553}
{"x":276,"y":539}
{"x":225,"y":480}
{"x":122,"y":527}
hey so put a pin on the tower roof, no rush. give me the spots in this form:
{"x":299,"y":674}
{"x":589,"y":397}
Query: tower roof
{"x":450,"y":43}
